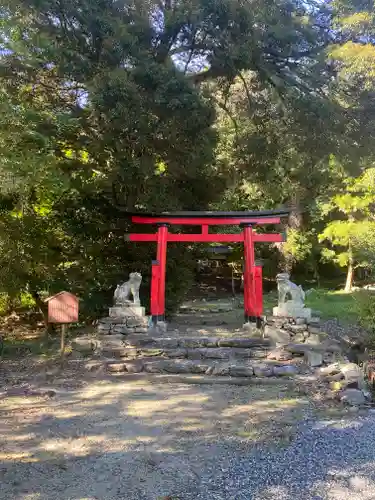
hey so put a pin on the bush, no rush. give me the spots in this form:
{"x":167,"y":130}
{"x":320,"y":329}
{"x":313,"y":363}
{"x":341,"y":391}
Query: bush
{"x":365,"y":309}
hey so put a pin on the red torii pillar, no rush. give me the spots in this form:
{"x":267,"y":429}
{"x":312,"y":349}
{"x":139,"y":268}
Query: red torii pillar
{"x":253,"y":299}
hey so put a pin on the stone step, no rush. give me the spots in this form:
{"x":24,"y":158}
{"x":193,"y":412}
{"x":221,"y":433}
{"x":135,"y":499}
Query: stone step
{"x":206,"y":367}
{"x":194,"y":342}
{"x":123,"y":351}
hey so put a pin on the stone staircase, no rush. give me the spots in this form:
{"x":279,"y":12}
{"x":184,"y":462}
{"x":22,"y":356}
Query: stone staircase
{"x":214,"y":356}
{"x":283,"y":348}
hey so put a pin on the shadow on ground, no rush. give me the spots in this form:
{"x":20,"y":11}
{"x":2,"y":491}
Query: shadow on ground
{"x":113,"y":439}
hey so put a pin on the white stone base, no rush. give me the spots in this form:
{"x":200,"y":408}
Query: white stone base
{"x":126,"y":311}
{"x":292,"y":310}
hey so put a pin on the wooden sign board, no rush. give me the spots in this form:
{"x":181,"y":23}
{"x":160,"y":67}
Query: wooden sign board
{"x":62,"y":308}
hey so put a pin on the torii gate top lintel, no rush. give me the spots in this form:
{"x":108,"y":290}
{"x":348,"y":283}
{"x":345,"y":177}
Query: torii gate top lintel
{"x":210,"y":217}
{"x":252,"y":274}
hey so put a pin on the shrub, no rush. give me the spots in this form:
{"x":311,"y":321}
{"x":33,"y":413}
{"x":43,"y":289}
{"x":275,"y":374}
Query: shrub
{"x":365,"y":309}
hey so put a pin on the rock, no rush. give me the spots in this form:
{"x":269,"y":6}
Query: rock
{"x":84,"y":344}
{"x":313,"y":339}
{"x":314,"y":359}
{"x":183,"y":366}
{"x":112,"y":336}
{"x":244,"y":343}
{"x":116,"y":367}
{"x":161,"y":326}
{"x":276,"y":334}
{"x":166,"y":343}
{"x":210,"y":370}
{"x":276,"y":321}
{"x":297,"y":348}
{"x":352,"y":397}
{"x":76,"y":356}
{"x":122,"y":329}
{"x":296,"y":328}
{"x":154,"y":366}
{"x":134,"y":366}
{"x":150,"y":352}
{"x":263,"y":370}
{"x":353,"y":373}
{"x":119,"y":352}
{"x":239,"y":353}
{"x":280,"y":354}
{"x":328,"y":358}
{"x":285,"y":370}
{"x":314,"y":329}
{"x":141,"y":329}
{"x":104,"y":327}
{"x":221,"y":369}
{"x":176,"y":353}
{"x":212,"y":342}
{"x":330,"y":369}
{"x":199,"y":367}
{"x":138,"y":321}
{"x":191,"y":342}
{"x":258,"y":353}
{"x":252,"y":330}
{"x":241,"y":371}
{"x":111,"y":341}
{"x":194,"y":354}
{"x":215,"y":353}
{"x":299,"y":338}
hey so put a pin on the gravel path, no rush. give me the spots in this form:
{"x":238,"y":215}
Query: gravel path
{"x":327,"y":460}
{"x":113,"y":440}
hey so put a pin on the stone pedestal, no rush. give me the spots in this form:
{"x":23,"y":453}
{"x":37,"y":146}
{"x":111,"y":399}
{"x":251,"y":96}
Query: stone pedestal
{"x":291,"y":309}
{"x":125,"y":319}
{"x":126,"y":311}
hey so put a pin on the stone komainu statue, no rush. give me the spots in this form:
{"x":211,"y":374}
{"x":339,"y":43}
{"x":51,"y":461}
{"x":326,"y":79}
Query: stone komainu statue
{"x":130,"y":287}
{"x":286,"y":288}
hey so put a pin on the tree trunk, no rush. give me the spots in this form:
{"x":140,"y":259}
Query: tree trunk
{"x":350,"y":273}
{"x":349,"y":277}
{"x":233,"y":284}
{"x":43,"y":310}
{"x":295,"y":221}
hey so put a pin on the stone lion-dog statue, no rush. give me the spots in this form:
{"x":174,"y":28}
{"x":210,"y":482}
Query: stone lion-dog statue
{"x":286,"y":288}
{"x":130,"y":287}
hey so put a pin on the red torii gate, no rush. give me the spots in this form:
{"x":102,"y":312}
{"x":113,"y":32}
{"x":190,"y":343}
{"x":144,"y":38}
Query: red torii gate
{"x":253,"y":293}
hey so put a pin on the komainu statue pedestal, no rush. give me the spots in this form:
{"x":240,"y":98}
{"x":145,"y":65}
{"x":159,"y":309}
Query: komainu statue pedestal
{"x":126,"y":316}
{"x":291,"y":310}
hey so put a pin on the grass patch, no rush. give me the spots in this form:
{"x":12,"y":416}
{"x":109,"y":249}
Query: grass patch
{"x":325,"y":303}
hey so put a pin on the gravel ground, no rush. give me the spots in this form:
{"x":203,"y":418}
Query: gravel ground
{"x":327,"y":460}
{"x":116,"y":440}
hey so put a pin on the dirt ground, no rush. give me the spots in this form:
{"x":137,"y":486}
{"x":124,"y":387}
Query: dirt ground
{"x":115,"y":439}
{"x":134,"y":437}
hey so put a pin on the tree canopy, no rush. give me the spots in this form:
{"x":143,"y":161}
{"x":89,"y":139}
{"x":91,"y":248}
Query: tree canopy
{"x":112,"y":106}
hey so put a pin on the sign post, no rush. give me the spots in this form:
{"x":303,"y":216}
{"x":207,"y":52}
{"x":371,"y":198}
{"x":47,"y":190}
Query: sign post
{"x":63,"y":310}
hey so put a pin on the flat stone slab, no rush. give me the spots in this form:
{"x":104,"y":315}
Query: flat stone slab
{"x":241,"y":371}
{"x":292,"y":310}
{"x":126,"y":311}
{"x":194,"y":342}
{"x":209,"y":367}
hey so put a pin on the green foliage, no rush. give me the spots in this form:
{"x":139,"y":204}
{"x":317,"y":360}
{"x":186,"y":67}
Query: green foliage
{"x":298,"y":245}
{"x":350,"y":234}
{"x":365,"y":309}
{"x":107,"y":108}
